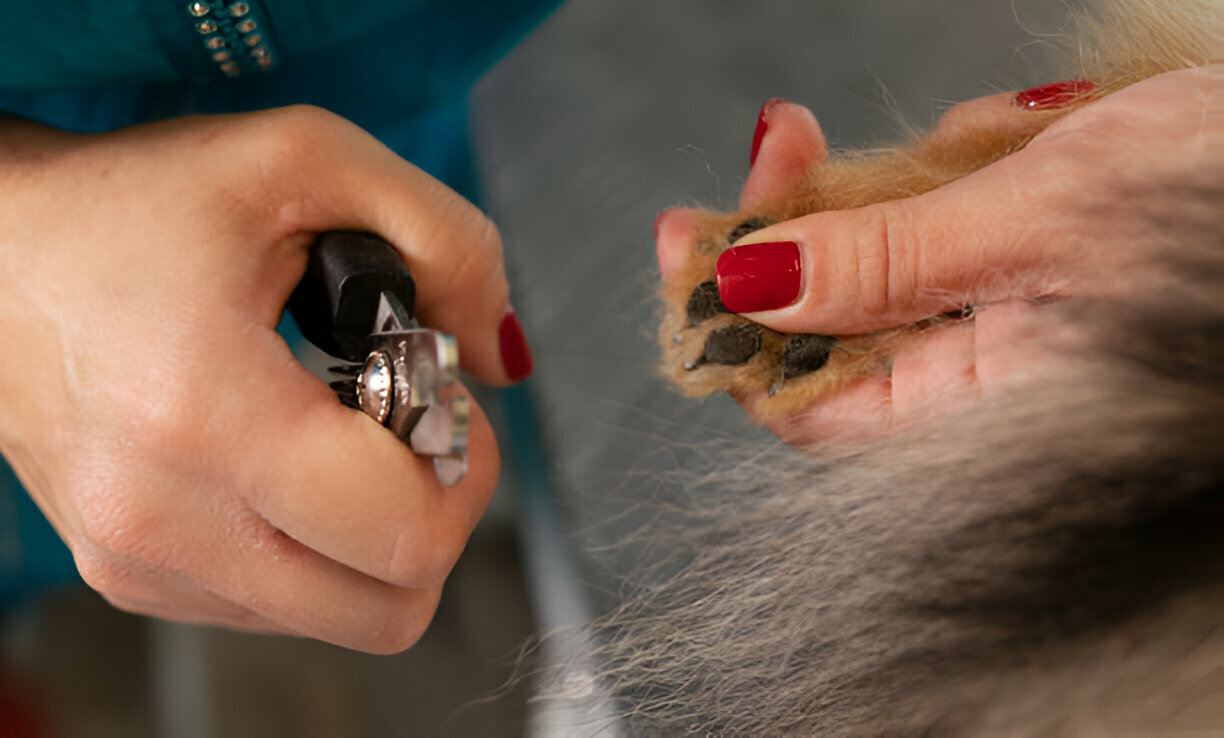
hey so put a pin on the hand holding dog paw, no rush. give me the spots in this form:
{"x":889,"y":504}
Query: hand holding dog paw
{"x":927,"y":268}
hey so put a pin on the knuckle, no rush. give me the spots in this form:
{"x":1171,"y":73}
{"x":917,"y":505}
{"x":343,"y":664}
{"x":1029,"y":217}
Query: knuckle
{"x":479,"y":267}
{"x":484,"y":231}
{"x":479,"y":263}
{"x":161,"y":448}
{"x":901,"y":250}
{"x":159,"y":428}
{"x":161,"y":432}
{"x":124,"y":604}
{"x":967,"y":118}
{"x":113,"y":520}
{"x":872,"y":247}
{"x":287,"y":139}
{"x":404,"y":625}
{"x":117,"y":529}
{"x":466,"y":256}
{"x":419,"y":558}
{"x":300,"y":120}
{"x":105,"y":574}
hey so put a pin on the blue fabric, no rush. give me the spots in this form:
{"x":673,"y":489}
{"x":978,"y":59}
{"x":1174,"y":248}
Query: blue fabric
{"x":401,"y":69}
{"x":32,"y":557}
{"x":103,"y":43}
{"x":376,"y":67}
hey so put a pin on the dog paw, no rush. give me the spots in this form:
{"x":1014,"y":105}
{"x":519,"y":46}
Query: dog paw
{"x":707,"y":348}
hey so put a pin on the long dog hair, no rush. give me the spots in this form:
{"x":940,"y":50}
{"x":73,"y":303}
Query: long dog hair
{"x":1049,"y":562}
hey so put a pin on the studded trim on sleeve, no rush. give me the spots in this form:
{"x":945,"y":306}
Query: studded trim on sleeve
{"x":233,"y":34}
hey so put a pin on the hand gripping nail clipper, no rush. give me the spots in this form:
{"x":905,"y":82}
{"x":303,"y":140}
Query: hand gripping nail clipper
{"x":356,"y":303}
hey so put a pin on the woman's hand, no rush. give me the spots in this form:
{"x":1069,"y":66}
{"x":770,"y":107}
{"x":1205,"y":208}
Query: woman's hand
{"x":1061,"y":217}
{"x":195,"y":469}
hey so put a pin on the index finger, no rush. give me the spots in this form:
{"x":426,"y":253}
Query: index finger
{"x":334,"y":176}
{"x":336,"y":481}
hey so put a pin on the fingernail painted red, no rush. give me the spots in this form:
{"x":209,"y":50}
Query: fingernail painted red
{"x":759,"y":276}
{"x":759,"y":134}
{"x":1056,"y":95}
{"x":515,"y":354}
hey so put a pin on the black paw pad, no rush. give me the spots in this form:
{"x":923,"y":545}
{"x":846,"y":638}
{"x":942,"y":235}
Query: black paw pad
{"x":735,"y":344}
{"x":804,"y":354}
{"x":704,"y":303}
{"x":748,"y":226}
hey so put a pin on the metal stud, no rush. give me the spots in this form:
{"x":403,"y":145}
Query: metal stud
{"x":239,"y":9}
{"x":375,"y":386}
{"x":254,"y":39}
{"x":259,"y":52}
{"x":214,"y":42}
{"x":198,"y":10}
{"x":231,"y":68}
{"x":221,"y":56}
{"x":245,"y":26}
{"x":265,"y":62}
{"x":207,"y":27}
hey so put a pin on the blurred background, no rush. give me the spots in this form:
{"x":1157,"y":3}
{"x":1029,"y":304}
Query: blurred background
{"x":607,"y":114}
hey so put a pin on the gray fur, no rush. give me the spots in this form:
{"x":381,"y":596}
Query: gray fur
{"x":1051,"y":562}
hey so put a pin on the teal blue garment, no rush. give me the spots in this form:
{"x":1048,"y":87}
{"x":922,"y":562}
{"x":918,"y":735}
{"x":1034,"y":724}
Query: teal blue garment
{"x":401,"y":69}
{"x":100,"y":64}
{"x":32,"y":557}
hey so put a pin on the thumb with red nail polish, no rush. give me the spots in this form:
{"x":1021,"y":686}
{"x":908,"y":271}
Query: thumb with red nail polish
{"x":759,"y":276}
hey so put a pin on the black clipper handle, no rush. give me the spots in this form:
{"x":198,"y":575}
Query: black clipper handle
{"x":336,"y":302}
